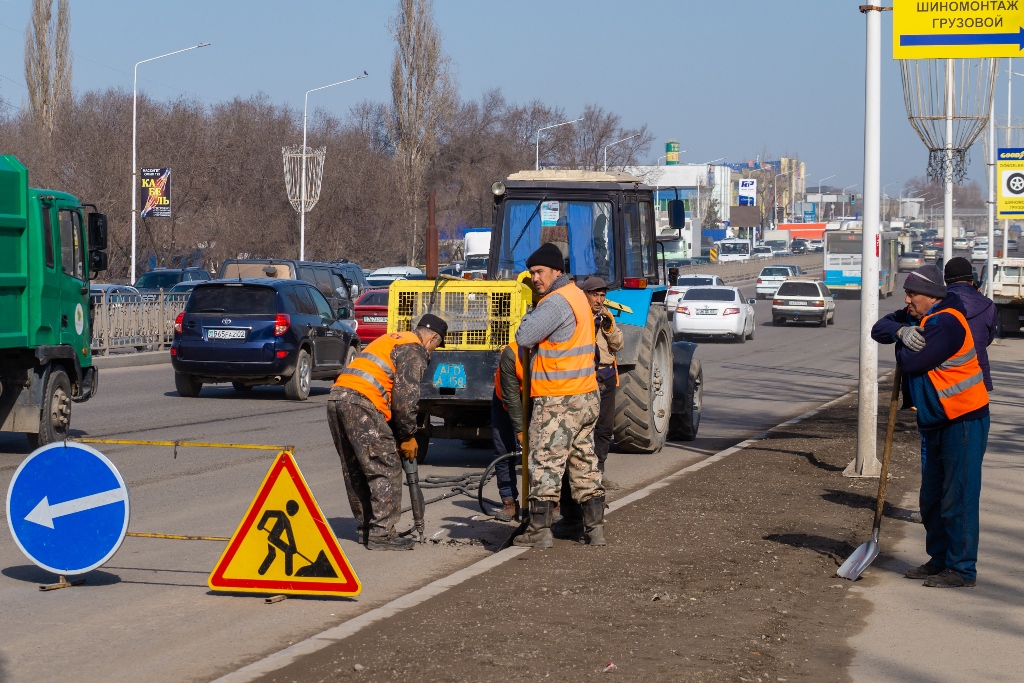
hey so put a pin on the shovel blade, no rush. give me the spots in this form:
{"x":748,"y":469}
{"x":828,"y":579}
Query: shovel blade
{"x":860,"y":560}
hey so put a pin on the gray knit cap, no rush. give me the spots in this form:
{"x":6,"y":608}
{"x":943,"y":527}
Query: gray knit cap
{"x":927,"y":280}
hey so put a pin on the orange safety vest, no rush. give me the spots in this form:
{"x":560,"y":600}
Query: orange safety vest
{"x":959,"y":381}
{"x":372,"y":373}
{"x":567,"y":368}
{"x":497,"y":373}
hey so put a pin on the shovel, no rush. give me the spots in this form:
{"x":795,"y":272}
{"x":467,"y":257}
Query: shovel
{"x":863,"y":556}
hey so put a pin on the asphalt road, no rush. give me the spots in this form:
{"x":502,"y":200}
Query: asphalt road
{"x":148,"y":614}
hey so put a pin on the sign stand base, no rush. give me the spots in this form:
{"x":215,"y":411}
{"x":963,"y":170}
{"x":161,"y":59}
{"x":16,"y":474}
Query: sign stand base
{"x":62,"y":583}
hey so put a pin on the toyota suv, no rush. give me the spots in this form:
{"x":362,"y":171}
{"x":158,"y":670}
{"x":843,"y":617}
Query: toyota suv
{"x":252,"y":332}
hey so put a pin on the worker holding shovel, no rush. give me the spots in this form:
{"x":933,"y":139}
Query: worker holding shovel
{"x":936,"y":355}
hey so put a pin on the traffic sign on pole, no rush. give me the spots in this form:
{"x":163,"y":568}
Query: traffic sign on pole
{"x":284,"y":543}
{"x":1010,"y":176}
{"x":957,"y":29}
{"x":67,"y":508}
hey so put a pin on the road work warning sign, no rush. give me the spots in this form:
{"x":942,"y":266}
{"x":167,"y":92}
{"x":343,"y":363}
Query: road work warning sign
{"x":1010,"y":176}
{"x":953,"y":29}
{"x":284,"y":544}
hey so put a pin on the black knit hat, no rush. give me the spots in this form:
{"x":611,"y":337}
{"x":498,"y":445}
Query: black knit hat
{"x":926,"y":280}
{"x":547,"y":255}
{"x":434,"y":324}
{"x":959,"y":269}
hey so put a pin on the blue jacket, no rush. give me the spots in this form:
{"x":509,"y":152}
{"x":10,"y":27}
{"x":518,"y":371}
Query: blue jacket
{"x":981,"y":318}
{"x":943,"y":336}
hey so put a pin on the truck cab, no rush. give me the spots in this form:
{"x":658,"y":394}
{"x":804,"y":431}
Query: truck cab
{"x":51,"y":246}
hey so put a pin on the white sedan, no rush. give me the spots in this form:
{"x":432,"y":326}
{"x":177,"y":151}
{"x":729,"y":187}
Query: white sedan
{"x":980,"y":252}
{"x":714,"y":311}
{"x":684,"y":283}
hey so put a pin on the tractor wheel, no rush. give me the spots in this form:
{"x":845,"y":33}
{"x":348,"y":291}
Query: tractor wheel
{"x":644,"y":399}
{"x":684,"y":427}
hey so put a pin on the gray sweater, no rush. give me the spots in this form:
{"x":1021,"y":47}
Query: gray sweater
{"x":552,"y":318}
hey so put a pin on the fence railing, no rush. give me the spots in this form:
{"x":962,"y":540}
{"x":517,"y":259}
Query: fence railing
{"x":739,"y":271}
{"x":143,"y":322}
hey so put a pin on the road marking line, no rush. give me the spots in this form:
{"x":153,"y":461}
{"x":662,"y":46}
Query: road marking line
{"x":283,"y":658}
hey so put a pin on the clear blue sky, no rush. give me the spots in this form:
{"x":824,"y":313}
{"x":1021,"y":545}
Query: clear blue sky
{"x":724,"y":77}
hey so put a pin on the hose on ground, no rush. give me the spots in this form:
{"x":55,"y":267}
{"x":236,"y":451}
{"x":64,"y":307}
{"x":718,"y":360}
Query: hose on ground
{"x":469,"y":484}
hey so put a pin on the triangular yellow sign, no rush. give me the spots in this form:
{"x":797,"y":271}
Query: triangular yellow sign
{"x":284,"y":544}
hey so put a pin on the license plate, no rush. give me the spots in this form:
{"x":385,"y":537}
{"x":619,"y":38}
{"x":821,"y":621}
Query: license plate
{"x":450,"y":376}
{"x":375,"y":319}
{"x":707,"y":311}
{"x":797,"y":303}
{"x":225,"y":334}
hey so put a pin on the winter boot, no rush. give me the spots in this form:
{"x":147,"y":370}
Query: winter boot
{"x":571,"y":524}
{"x":508,"y":511}
{"x":390,"y":543}
{"x":538,"y":533}
{"x":593,"y":521}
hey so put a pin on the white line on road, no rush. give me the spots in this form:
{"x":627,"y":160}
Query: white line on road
{"x":335,"y":634}
{"x":43,"y":514}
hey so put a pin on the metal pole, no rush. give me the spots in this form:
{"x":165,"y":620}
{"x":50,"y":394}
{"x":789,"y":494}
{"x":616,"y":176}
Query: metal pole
{"x":612,"y":145}
{"x":992,"y":188}
{"x":947,"y":204}
{"x":536,"y":163}
{"x":866,"y":464}
{"x":1009,"y":123}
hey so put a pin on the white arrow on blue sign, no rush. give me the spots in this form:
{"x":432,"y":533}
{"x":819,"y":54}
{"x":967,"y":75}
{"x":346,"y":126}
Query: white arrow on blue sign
{"x":67,"y":507}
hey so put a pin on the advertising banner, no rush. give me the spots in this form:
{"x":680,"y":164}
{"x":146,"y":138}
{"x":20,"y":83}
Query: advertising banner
{"x":156,"y":192}
{"x":1010,"y":176}
{"x":748,"y":192}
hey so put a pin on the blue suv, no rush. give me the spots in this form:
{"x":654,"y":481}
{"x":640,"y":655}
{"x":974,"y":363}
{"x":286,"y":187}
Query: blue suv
{"x":260,"y":331}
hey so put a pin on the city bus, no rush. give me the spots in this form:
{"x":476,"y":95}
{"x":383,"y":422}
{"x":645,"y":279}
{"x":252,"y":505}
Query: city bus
{"x":733,"y":250}
{"x":842,"y":261}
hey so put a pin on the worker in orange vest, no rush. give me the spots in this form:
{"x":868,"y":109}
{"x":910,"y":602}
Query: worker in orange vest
{"x":566,"y":401}
{"x":371,"y":410}
{"x":944,"y":381}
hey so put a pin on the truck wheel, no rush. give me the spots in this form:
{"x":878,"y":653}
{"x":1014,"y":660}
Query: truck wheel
{"x":55,"y":417}
{"x":644,"y":400}
{"x":187,"y":385}
{"x":297,"y":386}
{"x":684,"y":427}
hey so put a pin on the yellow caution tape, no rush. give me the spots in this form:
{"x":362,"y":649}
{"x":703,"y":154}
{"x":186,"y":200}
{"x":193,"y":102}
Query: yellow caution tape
{"x":176,"y":537}
{"x":187,"y":444}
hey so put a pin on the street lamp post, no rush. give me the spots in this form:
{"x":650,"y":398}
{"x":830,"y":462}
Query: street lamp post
{"x":817,"y":211}
{"x":536,"y":164}
{"x":135,"y":170}
{"x":302,"y":204}
{"x":697,"y":227}
{"x":612,"y":145}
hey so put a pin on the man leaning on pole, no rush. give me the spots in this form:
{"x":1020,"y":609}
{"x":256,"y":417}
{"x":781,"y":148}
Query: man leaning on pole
{"x":566,"y":401}
{"x":936,"y":353}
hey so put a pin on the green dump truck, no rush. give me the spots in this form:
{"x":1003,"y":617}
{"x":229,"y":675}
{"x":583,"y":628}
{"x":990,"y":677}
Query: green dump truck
{"x":50,"y":247}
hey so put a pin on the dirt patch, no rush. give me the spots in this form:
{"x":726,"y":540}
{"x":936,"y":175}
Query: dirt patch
{"x":726,"y":575}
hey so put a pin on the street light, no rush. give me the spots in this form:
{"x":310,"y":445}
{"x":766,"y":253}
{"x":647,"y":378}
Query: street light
{"x":536,"y":164}
{"x":135,"y":102}
{"x":818,"y":208}
{"x":302,"y":204}
{"x":887,"y":196}
{"x":698,"y":190}
{"x":612,"y":145}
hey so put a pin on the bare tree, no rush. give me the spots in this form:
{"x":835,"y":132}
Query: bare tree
{"x":48,"y":61}
{"x":423,"y":98}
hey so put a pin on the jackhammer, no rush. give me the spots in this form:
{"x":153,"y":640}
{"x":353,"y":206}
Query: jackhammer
{"x":412,"y":480}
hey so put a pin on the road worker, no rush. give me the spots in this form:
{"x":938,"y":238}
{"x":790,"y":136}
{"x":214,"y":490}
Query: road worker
{"x":507,"y":424}
{"x":936,"y":353}
{"x":566,"y":401}
{"x":371,"y":410}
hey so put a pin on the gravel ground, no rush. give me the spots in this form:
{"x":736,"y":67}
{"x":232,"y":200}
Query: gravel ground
{"x":726,"y":575}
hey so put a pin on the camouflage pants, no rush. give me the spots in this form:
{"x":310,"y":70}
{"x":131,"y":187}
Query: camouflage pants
{"x":562,"y":439}
{"x":369,"y":460}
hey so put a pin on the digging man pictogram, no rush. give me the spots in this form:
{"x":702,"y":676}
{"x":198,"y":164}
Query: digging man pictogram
{"x":321,"y":567}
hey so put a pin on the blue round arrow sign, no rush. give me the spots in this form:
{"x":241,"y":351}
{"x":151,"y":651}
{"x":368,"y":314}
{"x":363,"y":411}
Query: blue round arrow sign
{"x":67,"y":507}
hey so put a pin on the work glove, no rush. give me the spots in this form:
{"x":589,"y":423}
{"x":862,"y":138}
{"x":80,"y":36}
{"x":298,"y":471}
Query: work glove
{"x":607,"y":323}
{"x":519,"y":435}
{"x":912,"y":337}
{"x":408,"y":448}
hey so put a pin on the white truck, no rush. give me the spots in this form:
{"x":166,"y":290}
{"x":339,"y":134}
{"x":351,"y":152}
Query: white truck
{"x":1007,"y":292}
{"x":476,"y":251}
{"x":778,"y":240}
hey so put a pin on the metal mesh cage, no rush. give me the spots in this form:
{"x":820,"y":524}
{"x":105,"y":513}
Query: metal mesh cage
{"x":481,"y":315}
{"x":293,"y":160}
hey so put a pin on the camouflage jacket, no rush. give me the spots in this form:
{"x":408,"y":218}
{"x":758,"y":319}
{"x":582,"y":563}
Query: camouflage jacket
{"x":411,"y":362}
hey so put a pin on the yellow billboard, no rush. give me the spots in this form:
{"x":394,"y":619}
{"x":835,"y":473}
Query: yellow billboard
{"x":1010,"y":176}
{"x":953,"y":29}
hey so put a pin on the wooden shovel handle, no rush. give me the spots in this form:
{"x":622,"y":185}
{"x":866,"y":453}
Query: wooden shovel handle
{"x":883,"y":477}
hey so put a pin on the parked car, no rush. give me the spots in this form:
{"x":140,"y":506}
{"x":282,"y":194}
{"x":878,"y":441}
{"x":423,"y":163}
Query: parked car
{"x":382,"y":277}
{"x":803,"y":299}
{"x":714,"y":311}
{"x":795,"y":269}
{"x":798,"y":246}
{"x":329,"y":278}
{"x":910,"y":260}
{"x":683,"y":283}
{"x":260,"y":331}
{"x":961,"y":244}
{"x":762,"y":252}
{"x":816,"y":246}
{"x":372,"y":314}
{"x":114,"y":295}
{"x":163,"y":279}
{"x":353,"y":275}
{"x":769,"y":279}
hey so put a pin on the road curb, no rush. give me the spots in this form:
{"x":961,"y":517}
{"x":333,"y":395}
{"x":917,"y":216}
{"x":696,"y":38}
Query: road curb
{"x":131,"y":360}
{"x":335,"y":634}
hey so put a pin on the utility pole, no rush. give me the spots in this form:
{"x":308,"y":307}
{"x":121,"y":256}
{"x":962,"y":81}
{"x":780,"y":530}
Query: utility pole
{"x":866,"y":463}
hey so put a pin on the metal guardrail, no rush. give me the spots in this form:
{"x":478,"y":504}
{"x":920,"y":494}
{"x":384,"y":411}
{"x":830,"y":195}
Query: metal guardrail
{"x":737,"y":271}
{"x":143,"y":322}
